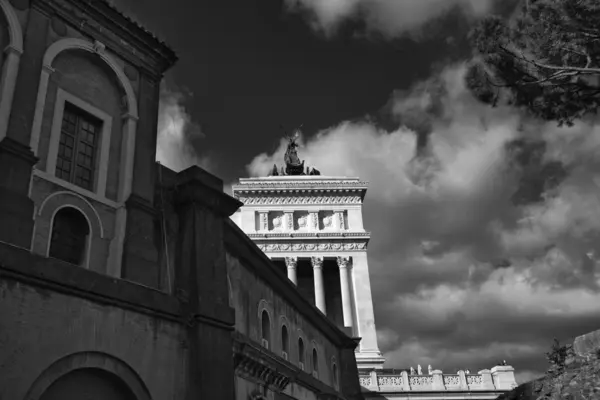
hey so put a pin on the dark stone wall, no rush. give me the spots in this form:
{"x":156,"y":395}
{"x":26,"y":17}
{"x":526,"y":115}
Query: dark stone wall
{"x":51,"y":310}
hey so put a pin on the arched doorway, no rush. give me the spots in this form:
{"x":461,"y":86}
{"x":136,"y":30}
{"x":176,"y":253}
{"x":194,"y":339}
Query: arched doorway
{"x":88,"y":384}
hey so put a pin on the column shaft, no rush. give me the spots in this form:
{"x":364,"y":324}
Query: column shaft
{"x":343,"y":263}
{"x":317,"y":263}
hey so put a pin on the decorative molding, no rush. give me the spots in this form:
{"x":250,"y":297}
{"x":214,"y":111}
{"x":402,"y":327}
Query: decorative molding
{"x":291,"y":262}
{"x":246,"y":365}
{"x":298,"y":199}
{"x":264,"y":221}
{"x":289,"y":216}
{"x":341,"y":220}
{"x":301,"y":184}
{"x":309,"y":235}
{"x":102,"y":149}
{"x":328,"y":220}
{"x":316,"y":262}
{"x":74,"y":188}
{"x":93,"y":21}
{"x":343,"y":262}
{"x":99,"y":47}
{"x":321,"y":246}
{"x":14,"y":26}
{"x":314,"y":216}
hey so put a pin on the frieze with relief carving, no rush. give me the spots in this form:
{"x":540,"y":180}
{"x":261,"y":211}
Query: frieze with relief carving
{"x":319,"y":246}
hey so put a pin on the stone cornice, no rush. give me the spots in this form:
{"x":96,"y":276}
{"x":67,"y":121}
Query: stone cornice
{"x":310,"y":235}
{"x":125,"y":37}
{"x":271,"y":370}
{"x":288,"y":184}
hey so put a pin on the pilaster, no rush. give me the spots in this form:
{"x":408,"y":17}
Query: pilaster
{"x":369,"y":353}
{"x":144,"y":170}
{"x":349,"y":381}
{"x":16,"y":208}
{"x":201,"y":282}
{"x":140,"y":255}
{"x":486,"y":379}
{"x":263,"y":221}
{"x":26,"y":86}
{"x":504,"y":377}
{"x":438,"y":380}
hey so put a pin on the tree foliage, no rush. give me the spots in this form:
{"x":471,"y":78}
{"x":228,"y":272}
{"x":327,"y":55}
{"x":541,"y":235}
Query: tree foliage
{"x":546,"y":59}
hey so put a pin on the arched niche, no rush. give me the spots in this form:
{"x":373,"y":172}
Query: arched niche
{"x":101,"y":366}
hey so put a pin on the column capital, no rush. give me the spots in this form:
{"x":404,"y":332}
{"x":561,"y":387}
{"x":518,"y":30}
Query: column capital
{"x":317,"y":262}
{"x":291,"y":262}
{"x":343,"y":262}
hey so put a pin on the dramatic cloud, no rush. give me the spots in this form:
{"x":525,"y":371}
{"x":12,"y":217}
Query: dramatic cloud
{"x":177,"y":133}
{"x":389,"y":17}
{"x":485,"y":225}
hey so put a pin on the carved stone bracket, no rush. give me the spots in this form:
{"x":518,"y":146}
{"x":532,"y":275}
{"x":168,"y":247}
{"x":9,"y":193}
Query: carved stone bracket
{"x":265,"y":374}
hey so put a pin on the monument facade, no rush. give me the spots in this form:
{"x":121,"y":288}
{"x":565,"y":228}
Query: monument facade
{"x":311,"y":226}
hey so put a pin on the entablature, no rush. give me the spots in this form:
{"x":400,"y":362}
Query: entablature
{"x":312,"y":246}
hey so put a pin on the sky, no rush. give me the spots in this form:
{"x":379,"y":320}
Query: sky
{"x":485,"y":223}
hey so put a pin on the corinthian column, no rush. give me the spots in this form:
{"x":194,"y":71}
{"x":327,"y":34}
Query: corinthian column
{"x":343,"y":263}
{"x":317,"y":263}
{"x":291,"y":263}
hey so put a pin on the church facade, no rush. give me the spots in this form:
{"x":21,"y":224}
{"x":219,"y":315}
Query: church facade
{"x":311,"y":226}
{"x":119,"y":278}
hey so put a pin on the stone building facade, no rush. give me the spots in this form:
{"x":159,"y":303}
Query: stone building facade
{"x":119,"y":278}
{"x":311,"y":226}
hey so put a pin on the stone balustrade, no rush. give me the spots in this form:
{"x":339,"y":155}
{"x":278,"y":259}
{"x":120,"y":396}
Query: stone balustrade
{"x":499,"y":379}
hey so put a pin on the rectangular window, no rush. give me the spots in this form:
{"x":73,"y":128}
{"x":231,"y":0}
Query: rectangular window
{"x":77,"y":148}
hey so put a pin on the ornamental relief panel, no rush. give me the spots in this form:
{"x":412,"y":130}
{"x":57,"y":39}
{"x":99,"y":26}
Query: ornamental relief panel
{"x":287,"y":200}
{"x":302,"y":220}
{"x":326,"y":220}
{"x":321,"y":246}
{"x":276,"y":221}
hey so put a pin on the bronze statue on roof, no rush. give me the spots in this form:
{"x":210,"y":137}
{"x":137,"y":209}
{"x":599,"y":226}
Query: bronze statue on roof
{"x":293,"y":165}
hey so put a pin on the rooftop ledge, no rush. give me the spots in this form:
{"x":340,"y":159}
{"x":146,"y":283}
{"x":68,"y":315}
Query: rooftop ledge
{"x":287,"y":182}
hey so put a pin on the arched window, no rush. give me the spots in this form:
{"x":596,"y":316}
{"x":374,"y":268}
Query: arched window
{"x":70,"y":231}
{"x":335,"y":375}
{"x":315,"y":362}
{"x":285,"y":342}
{"x":301,"y":353}
{"x":266,"y":329}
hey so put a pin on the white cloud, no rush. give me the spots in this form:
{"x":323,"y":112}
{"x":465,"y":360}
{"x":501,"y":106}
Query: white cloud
{"x":390,"y":17}
{"x":442,"y":220}
{"x":177,"y":133}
